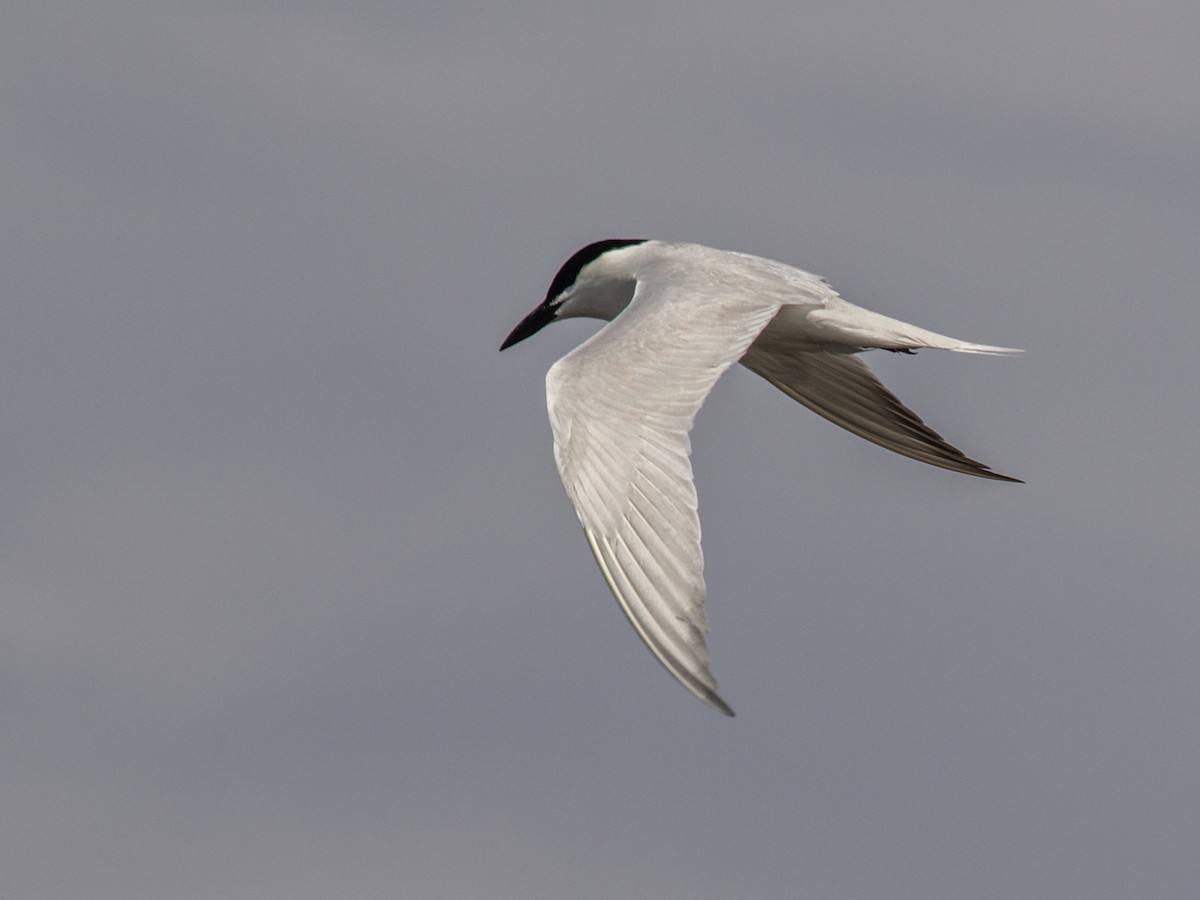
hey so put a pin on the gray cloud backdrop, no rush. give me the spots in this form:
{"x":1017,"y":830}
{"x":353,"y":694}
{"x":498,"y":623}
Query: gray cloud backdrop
{"x":293,"y":604}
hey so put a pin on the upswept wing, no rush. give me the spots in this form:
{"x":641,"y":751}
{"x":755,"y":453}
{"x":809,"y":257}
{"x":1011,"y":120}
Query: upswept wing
{"x":840,"y":387}
{"x":621,"y":408}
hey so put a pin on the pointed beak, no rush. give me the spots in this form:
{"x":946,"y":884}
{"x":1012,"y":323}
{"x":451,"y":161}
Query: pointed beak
{"x":530,"y":325}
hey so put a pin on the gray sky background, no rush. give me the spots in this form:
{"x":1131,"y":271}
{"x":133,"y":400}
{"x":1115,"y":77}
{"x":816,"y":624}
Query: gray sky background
{"x":293,"y":603}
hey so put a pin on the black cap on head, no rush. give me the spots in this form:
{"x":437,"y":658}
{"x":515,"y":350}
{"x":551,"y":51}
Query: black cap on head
{"x":572,"y":267}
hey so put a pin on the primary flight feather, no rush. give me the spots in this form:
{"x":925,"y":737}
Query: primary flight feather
{"x":622,"y":405}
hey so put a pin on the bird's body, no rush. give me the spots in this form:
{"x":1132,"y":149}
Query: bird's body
{"x":622,"y":404}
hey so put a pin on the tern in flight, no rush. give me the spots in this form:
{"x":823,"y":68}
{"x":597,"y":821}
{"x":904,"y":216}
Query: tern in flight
{"x":622,"y":404}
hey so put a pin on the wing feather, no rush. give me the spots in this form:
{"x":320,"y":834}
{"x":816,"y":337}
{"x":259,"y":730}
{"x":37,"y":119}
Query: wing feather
{"x":840,"y":387}
{"x":621,"y":408}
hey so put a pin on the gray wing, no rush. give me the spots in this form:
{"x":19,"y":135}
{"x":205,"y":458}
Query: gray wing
{"x":621,"y":407}
{"x":840,"y":387}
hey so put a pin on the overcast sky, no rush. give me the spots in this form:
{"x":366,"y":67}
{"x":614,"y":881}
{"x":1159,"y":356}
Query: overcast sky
{"x":292,"y":602}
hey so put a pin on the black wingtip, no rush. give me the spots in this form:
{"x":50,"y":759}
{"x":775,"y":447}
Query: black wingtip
{"x":719,"y":705}
{"x":996,"y":476}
